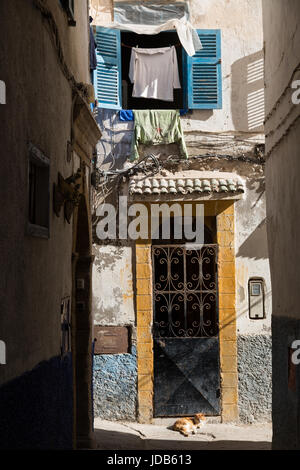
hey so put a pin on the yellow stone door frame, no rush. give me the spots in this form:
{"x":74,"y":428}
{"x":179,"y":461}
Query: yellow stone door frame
{"x":223,"y":210}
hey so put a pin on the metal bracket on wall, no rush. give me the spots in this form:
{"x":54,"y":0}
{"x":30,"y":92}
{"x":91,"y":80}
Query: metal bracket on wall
{"x":66,"y":193}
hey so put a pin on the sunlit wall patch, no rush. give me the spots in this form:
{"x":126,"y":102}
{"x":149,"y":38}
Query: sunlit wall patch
{"x":2,"y":92}
{"x":2,"y":352}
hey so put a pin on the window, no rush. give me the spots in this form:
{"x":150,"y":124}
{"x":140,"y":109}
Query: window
{"x":200,"y":75}
{"x":68,"y":6}
{"x":38,"y":193}
{"x":148,"y":41}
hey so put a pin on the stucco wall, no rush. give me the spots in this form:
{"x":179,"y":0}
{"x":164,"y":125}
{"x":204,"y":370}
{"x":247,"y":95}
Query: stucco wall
{"x":252,"y":259}
{"x":113,"y":289}
{"x":223,"y":140}
{"x":255,"y":378}
{"x":238,"y":126}
{"x":114,"y":375}
{"x":115,"y":386}
{"x":240,"y":23}
{"x":37,"y":408}
{"x":242,"y":67}
{"x":282,"y":170}
{"x":37,"y":384}
{"x":254,"y":346}
{"x":38,"y":110}
{"x":113,"y":286}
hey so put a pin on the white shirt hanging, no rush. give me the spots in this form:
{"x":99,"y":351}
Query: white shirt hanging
{"x":154,"y":73}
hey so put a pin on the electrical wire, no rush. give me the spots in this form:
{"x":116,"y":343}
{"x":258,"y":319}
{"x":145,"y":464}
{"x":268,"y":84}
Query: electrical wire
{"x":54,"y":35}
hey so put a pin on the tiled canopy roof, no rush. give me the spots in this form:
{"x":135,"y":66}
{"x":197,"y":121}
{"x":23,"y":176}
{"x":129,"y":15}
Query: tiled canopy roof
{"x":154,"y":186}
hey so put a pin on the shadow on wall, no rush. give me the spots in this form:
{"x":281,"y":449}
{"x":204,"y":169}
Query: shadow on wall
{"x":255,"y":246}
{"x":247,"y":93}
{"x":114,"y":147}
{"x":200,"y":114}
{"x":259,"y":187}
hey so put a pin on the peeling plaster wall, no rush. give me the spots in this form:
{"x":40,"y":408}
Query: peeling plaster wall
{"x":238,"y":126}
{"x":252,"y":255}
{"x":113,"y":297}
{"x":242,"y":44}
{"x":255,"y":378}
{"x":115,"y":382}
{"x":222,"y":140}
{"x":254,"y":336}
{"x":113,"y":288}
{"x":114,"y":376}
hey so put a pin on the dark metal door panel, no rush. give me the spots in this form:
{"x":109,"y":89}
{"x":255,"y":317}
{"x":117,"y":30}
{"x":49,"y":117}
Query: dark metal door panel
{"x":186,"y":376}
{"x":186,"y":340}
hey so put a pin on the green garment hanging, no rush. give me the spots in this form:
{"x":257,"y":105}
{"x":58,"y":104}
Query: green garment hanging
{"x":152,"y":127}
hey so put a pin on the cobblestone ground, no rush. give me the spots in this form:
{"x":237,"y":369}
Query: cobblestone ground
{"x":134,"y":436}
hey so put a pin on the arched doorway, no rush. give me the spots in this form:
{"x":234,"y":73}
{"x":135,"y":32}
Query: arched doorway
{"x":82,"y":328}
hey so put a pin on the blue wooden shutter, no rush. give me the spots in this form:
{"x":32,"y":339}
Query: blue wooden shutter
{"x":108,"y":74}
{"x":204,"y":75}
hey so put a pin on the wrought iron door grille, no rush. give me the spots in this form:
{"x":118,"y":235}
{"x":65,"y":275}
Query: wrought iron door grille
{"x":185,"y":291}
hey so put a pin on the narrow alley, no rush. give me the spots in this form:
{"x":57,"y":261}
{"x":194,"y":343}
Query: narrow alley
{"x":150,"y":234}
{"x":215,"y":436}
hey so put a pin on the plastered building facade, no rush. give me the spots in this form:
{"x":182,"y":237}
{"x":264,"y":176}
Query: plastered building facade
{"x":48,"y":135}
{"x":223,"y":144}
{"x":282,"y":166}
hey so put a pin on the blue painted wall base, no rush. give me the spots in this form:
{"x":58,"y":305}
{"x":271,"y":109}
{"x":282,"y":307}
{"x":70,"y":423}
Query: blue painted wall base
{"x":115,"y":386}
{"x":36,"y":409}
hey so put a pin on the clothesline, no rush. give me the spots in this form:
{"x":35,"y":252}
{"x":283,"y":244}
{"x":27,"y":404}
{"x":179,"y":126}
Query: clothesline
{"x":130,"y":47}
{"x":187,"y":35}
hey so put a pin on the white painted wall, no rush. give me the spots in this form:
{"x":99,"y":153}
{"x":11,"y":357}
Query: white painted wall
{"x":240,"y":22}
{"x":112,"y":286}
{"x":251,"y":258}
{"x":234,"y":129}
